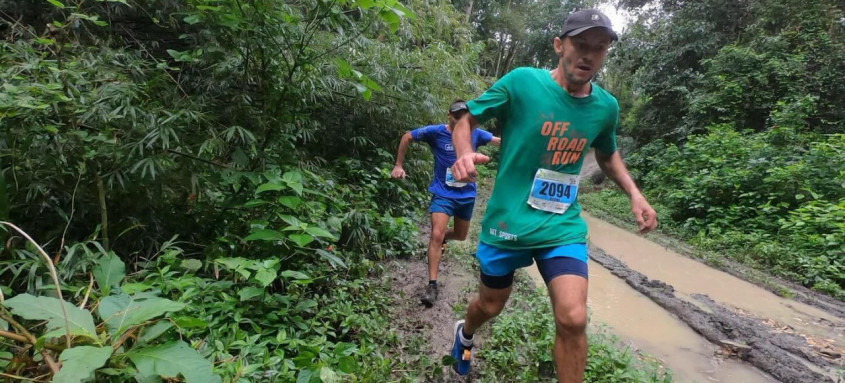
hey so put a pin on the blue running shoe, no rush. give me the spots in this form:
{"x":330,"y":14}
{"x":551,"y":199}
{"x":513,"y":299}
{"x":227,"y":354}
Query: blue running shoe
{"x":461,"y":353}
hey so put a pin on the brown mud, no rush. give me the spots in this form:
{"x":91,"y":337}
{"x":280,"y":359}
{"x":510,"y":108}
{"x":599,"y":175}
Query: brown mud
{"x":788,"y":357}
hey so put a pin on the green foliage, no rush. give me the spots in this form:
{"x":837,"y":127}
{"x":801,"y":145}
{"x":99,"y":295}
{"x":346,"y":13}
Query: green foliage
{"x":70,"y":319}
{"x":521,"y":339}
{"x":772,"y":199}
{"x":747,"y":64}
{"x":91,"y":349}
{"x":172,"y":359}
{"x":79,"y":363}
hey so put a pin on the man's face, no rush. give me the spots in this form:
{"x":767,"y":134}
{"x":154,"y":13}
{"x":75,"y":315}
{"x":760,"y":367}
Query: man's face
{"x":581,"y":56}
{"x":454,"y":117}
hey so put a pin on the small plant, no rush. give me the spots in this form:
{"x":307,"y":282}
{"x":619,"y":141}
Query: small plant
{"x":52,"y":336}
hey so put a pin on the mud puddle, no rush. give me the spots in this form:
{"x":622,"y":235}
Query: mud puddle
{"x":646,"y":326}
{"x":787,"y":357}
{"x":690,"y":277}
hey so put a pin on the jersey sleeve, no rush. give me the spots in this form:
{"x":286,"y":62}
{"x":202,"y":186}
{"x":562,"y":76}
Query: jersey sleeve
{"x":606,"y":140}
{"x":494,"y":102}
{"x":422,"y":134}
{"x":482,"y":137}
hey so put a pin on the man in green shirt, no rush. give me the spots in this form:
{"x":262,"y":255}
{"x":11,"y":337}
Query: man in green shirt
{"x":550,"y":119}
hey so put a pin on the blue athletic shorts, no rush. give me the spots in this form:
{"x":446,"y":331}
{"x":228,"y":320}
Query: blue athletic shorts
{"x":498,"y":265}
{"x":460,"y":208}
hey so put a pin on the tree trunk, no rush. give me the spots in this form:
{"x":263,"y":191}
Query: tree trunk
{"x":469,"y":10}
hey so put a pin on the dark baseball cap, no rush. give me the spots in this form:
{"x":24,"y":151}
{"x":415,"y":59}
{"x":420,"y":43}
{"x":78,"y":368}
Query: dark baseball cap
{"x":580,"y":21}
{"x":458,"y":106}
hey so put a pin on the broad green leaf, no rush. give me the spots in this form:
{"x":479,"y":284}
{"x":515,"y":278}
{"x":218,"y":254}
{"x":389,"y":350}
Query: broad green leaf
{"x":301,"y":239}
{"x":50,"y":309}
{"x":109,"y":271}
{"x":171,"y":360}
{"x":248,"y":293}
{"x":293,"y":221}
{"x":152,"y":332}
{"x":403,"y":11}
{"x":304,"y":376}
{"x":4,"y":326}
{"x":79,"y":363}
{"x":365,"y":4}
{"x":294,"y":181}
{"x":292,"y":177}
{"x":333,"y":259}
{"x":265,"y":235}
{"x":347,"y":365}
{"x":306,"y":305}
{"x":56,"y":3}
{"x":361,"y":88}
{"x":294,"y":274}
{"x":290,"y":201}
{"x":344,"y":70}
{"x":318,"y":232}
{"x":5,"y":359}
{"x":255,"y":203}
{"x":175,"y":54}
{"x":190,"y":322}
{"x":192,"y":19}
{"x":192,"y":264}
{"x":269,"y":187}
{"x":391,"y":19}
{"x":121,"y":312}
{"x":232,"y":263}
{"x":265,"y":276}
{"x":132,"y":288}
{"x":327,"y":375}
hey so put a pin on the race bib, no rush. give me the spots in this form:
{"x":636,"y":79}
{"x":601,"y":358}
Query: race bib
{"x":450,"y":180}
{"x":553,"y":191}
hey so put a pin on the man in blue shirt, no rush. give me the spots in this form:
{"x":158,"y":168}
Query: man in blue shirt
{"x":449,"y":197}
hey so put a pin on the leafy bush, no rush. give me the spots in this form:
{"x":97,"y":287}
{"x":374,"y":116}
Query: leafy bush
{"x":773,"y":199}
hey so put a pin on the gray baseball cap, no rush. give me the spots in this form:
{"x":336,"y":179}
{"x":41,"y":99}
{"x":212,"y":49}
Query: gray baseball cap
{"x":580,"y":21}
{"x":458,"y":106}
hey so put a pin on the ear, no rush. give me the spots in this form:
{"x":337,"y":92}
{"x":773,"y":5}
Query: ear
{"x":558,"y":45}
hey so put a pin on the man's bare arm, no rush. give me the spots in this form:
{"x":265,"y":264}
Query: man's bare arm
{"x":613,"y":166}
{"x":398,"y":171}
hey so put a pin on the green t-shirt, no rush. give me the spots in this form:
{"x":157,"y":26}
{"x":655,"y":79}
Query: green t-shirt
{"x":543,"y":126}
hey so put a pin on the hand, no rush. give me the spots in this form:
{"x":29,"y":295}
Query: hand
{"x":397,"y":172}
{"x":464,"y":168}
{"x":646,"y":216}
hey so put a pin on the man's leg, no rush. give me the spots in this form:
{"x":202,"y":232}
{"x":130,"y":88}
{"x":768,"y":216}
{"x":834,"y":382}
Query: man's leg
{"x":567,"y":283}
{"x":487,"y":304}
{"x":497,"y":271}
{"x":459,"y":231}
{"x":439,"y":222}
{"x":463,"y":215}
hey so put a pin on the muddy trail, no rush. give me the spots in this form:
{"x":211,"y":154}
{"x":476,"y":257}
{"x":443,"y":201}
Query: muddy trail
{"x":661,"y":295}
{"x":426,"y":332}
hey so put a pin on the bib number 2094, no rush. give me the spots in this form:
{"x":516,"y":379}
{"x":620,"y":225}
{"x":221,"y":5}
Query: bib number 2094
{"x":553,"y":191}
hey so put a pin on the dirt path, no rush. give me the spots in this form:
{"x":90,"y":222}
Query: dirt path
{"x":791,"y":340}
{"x":427,"y":331}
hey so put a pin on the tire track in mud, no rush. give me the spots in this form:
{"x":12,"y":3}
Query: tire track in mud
{"x":779,"y":354}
